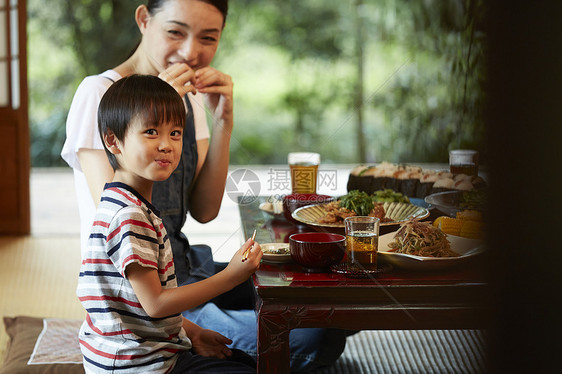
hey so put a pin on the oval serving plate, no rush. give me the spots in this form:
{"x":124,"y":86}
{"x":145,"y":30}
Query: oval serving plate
{"x":397,"y":212}
{"x":270,"y":253}
{"x":465,"y":247}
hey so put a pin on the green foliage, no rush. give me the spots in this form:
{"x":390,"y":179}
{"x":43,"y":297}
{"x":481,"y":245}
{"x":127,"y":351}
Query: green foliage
{"x":46,"y":140}
{"x":295,"y":64}
{"x":436,"y":102}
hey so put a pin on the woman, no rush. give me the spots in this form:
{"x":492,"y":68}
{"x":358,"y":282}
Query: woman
{"x":173,"y":50}
{"x":179,"y":41}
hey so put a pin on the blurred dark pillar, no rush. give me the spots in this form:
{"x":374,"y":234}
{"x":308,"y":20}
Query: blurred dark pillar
{"x":525,"y":146}
{"x":359,"y":89}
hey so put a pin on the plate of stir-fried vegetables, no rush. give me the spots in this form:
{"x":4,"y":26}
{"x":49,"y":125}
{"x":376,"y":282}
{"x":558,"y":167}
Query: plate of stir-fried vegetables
{"x":421,"y":246}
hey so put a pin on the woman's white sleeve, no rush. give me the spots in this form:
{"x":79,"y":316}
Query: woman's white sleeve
{"x":82,"y":121}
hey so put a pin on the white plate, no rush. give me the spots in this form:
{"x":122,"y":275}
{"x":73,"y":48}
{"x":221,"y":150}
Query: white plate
{"x":276,"y":258}
{"x":466,"y":248}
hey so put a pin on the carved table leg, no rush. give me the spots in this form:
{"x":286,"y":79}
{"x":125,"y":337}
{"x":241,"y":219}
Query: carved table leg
{"x":273,"y":344}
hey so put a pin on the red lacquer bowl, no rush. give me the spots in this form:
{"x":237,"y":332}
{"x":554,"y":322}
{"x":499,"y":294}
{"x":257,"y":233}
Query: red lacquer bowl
{"x":317,"y":251}
{"x":297,"y":200}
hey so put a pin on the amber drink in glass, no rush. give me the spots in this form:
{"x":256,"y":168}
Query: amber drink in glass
{"x":361,"y":242}
{"x":463,"y":161}
{"x":304,"y":171}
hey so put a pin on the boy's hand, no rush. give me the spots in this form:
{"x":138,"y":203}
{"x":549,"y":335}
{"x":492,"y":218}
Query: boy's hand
{"x":242,"y":270}
{"x":210,"y":343}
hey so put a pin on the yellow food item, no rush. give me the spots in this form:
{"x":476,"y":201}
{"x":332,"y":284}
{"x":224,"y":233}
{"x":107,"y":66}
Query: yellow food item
{"x":468,"y":224}
{"x":471,"y":229}
{"x":449,"y":225}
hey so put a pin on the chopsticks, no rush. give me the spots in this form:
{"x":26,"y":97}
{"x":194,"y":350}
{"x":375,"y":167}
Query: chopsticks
{"x":247,"y":251}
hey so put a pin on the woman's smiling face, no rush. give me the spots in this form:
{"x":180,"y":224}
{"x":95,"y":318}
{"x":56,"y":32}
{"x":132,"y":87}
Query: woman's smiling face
{"x":182,"y":31}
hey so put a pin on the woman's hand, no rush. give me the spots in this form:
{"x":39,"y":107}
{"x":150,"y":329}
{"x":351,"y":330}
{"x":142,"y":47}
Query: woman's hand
{"x":180,"y":76}
{"x":217,"y":88}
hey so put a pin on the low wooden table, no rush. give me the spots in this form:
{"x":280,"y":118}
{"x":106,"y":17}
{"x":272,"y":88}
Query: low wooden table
{"x":288,"y":297}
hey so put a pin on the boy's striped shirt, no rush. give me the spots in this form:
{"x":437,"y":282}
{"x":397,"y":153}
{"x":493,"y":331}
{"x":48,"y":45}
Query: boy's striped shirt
{"x":118,"y":336}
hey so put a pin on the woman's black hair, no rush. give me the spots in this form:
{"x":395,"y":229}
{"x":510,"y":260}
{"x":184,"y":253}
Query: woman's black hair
{"x":222,"y":5}
{"x":143,"y":97}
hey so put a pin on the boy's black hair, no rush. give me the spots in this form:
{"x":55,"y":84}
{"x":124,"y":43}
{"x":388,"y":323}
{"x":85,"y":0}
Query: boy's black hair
{"x":146,"y":97}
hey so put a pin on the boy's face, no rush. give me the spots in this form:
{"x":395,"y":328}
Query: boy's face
{"x":149,"y":152}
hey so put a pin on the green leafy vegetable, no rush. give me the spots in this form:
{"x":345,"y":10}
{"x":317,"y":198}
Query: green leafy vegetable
{"x":389,"y":196}
{"x":362,"y":203}
{"x":358,"y":201}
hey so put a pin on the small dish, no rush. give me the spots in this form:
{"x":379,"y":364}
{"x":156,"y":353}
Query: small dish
{"x":276,"y":253}
{"x":274,"y":208}
{"x":465,"y":247}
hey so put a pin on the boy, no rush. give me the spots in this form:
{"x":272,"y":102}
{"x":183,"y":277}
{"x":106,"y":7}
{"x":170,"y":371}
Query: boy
{"x":127,"y":280}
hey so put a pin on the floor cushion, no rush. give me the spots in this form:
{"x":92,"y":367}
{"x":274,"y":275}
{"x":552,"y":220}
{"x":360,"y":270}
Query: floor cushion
{"x":38,"y":345}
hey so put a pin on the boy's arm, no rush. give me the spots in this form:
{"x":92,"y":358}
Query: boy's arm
{"x":160,"y":302}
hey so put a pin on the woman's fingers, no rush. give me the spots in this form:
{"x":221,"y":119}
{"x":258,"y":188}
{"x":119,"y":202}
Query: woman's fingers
{"x":179,"y":76}
{"x":208,"y":78}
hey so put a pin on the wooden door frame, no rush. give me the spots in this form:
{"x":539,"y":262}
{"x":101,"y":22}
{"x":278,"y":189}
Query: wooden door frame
{"x":15,"y":217}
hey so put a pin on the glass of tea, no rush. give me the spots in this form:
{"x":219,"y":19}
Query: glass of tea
{"x":304,"y":171}
{"x":463,"y":161}
{"x":361,"y":242}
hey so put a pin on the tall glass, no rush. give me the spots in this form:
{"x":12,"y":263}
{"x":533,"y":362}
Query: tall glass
{"x":362,"y":241}
{"x":463,"y":161}
{"x":304,"y":171}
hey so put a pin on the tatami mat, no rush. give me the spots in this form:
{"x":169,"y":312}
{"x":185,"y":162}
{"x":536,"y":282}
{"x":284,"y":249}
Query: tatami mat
{"x":38,"y":277}
{"x":417,"y":351}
